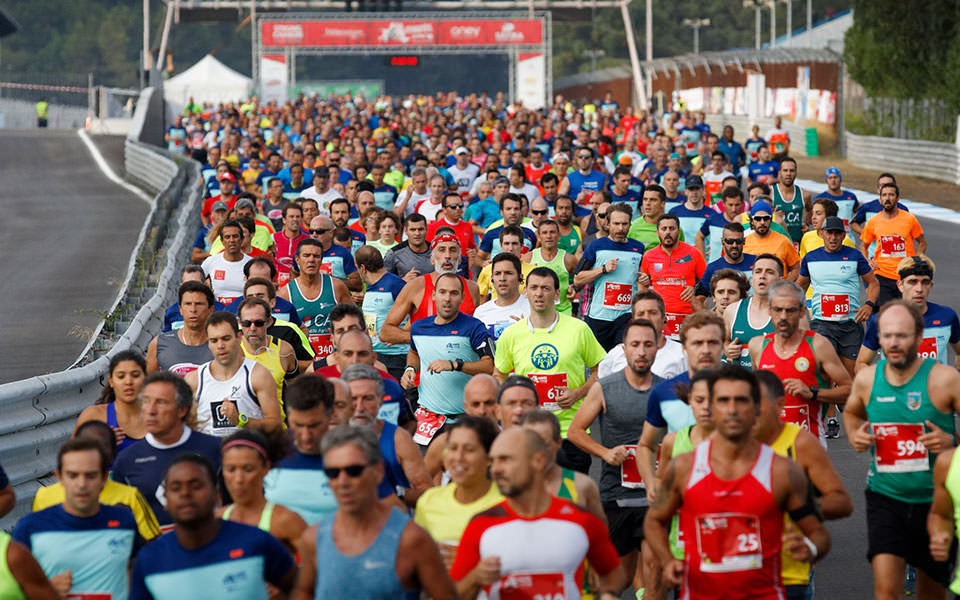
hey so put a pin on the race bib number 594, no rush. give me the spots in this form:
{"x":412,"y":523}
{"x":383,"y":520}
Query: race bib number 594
{"x":899,"y":449}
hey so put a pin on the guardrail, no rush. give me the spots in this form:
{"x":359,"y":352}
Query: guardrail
{"x":39,"y":413}
{"x":936,"y":160}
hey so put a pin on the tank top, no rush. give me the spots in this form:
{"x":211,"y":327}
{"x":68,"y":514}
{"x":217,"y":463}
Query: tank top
{"x":953,"y":488}
{"x":902,"y":468}
{"x":265,"y":516}
{"x":626,"y":411}
{"x":315,"y":313}
{"x":793,"y":572}
{"x":793,"y":211}
{"x":394,"y":479}
{"x":732,"y":530}
{"x":112,"y":422}
{"x":177,"y":357}
{"x":211,"y":394}
{"x":371,"y":575}
{"x":270,"y":358}
{"x":557,"y":266}
{"x":568,"y":485}
{"x":681,"y":445}
{"x":427,"y":306}
{"x":802,"y":365}
{"x":9,"y":588}
{"x":743,"y":331}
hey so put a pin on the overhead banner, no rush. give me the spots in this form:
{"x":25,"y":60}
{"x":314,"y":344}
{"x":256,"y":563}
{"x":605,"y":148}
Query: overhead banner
{"x":273,"y":78}
{"x":531,"y":80}
{"x":402,"y":33}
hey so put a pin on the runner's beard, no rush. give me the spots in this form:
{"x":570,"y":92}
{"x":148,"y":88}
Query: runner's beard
{"x":908,"y":357}
{"x":446,"y":267}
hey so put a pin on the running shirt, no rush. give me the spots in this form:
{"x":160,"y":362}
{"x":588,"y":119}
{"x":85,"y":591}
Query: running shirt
{"x":497,"y":318}
{"x":792,"y":210}
{"x":490,"y":243}
{"x":465,"y":338}
{"x":894,"y":239}
{"x":835,"y":281}
{"x":765,"y":172}
{"x":428,"y":307}
{"x":665,"y":409}
{"x":712,"y":230}
{"x":338,"y":262}
{"x":571,"y":241}
{"x":558,"y":266}
{"x":177,"y":357}
{"x":385,"y":196}
{"x":540,"y":557}
{"x":554,"y":358}
{"x":226,"y":277}
{"x":902,"y":467}
{"x":444,"y":517}
{"x":9,"y":586}
{"x":143,"y":464}
{"x":802,"y":365}
{"x":96,"y":550}
{"x":794,"y":572}
{"x":212,"y":393}
{"x":732,"y":531}
{"x":591,"y":182}
{"x":315,"y":313}
{"x":463,"y":177}
{"x":773,"y":243}
{"x":743,"y":331}
{"x":236,"y":564}
{"x":940,"y":327}
{"x":672,"y":203}
{"x":745,"y":266}
{"x":691,"y":220}
{"x":112,"y":422}
{"x":299,"y":483}
{"x":646,"y":233}
{"x":270,"y":358}
{"x":377,"y":302}
{"x":114,"y":493}
{"x":713,"y":185}
{"x":670,"y":273}
{"x":612,"y":292}
{"x":286,"y":249}
{"x":847,"y":203}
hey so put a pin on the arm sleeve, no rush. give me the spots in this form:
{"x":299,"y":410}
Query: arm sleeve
{"x":867,"y":236}
{"x":21,"y":533}
{"x":138,"y":587}
{"x":486,"y":244}
{"x":705,"y":229}
{"x":793,"y":257}
{"x":954,"y":329}
{"x":701,"y":264}
{"x":859,"y":216}
{"x":916,"y":230}
{"x":805,"y":269}
{"x":863,"y":267}
{"x":587,"y":260}
{"x":278,"y":561}
{"x":349,"y":265}
{"x":593,"y":352}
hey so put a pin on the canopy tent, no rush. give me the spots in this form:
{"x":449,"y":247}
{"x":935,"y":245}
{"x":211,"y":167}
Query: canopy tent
{"x":208,"y":81}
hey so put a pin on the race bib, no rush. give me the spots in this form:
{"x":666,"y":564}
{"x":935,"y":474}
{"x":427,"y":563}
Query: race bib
{"x":322,"y":344}
{"x":428,"y":424}
{"x":798,"y":414}
{"x":834,"y":305}
{"x":533,"y":586}
{"x":549,"y":388}
{"x":617,"y":296}
{"x":671,"y":327}
{"x":629,"y":470}
{"x":899,"y":449}
{"x":370,"y":319}
{"x":893,"y":246}
{"x":729,"y":542}
{"x":928,"y":348}
{"x":283,"y":279}
{"x":219,"y":418}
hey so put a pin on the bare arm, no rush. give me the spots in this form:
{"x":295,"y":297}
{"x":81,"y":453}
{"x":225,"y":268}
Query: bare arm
{"x":921,"y":244}
{"x":835,"y":502}
{"x":865,"y":357}
{"x":586,"y":415}
{"x":872,"y":291}
{"x":429,"y":570}
{"x":810,"y":526}
{"x":793,"y":272}
{"x":411,"y":461}
{"x":656,"y":525}
{"x":391,"y":332}
{"x":152,"y":364}
{"x":647,"y":457}
{"x":589,"y":495}
{"x":8,"y":499}
{"x":803,"y":282}
{"x":940,"y":519}
{"x":855,"y":411}
{"x":701,"y":243}
{"x":433,"y":459}
{"x":354,"y":283}
{"x":340,"y":291}
{"x":27,"y":572}
{"x":830,"y":364}
{"x":307,"y":579}
{"x":407,"y":380}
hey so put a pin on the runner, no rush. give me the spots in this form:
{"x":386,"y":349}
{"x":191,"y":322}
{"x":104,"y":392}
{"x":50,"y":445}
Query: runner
{"x":846,"y":201}
{"x":614,"y":282}
{"x":172,"y":318}
{"x":274,"y":354}
{"x":119,"y":404}
{"x":337,"y":260}
{"x":412,"y":257}
{"x":452,"y":217}
{"x":750,"y":317}
{"x":287,"y":239}
{"x":763,"y":170}
{"x":185,"y":349}
{"x":557,"y":259}
{"x":727,"y":287}
{"x":512,"y":212}
{"x":902,"y":410}
{"x":224,"y":271}
{"x":517,"y":396}
{"x":644,"y":228}
{"x":205,"y":548}
{"x":321,"y":191}
{"x":728,"y":487}
{"x":714,"y":176}
{"x":511,"y":243}
{"x":874,"y":207}
{"x":763,"y":240}
{"x":692,"y":213}
{"x":541,"y":560}
{"x":820,"y":211}
{"x":367,"y":548}
{"x":508,"y":305}
{"x":585,"y":179}
{"x":620,"y":190}
{"x":732,"y":257}
{"x":383,"y":289}
{"x":571,"y":236}
{"x":277,"y":326}
{"x":232,"y":391}
{"x":711,"y":233}
{"x":672,"y":269}
{"x":554,"y":351}
{"x":670,"y":360}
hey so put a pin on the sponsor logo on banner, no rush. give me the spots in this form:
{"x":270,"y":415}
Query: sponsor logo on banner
{"x":476,"y":32}
{"x":508,"y":33}
{"x":288,"y":34}
{"x":404,"y":33}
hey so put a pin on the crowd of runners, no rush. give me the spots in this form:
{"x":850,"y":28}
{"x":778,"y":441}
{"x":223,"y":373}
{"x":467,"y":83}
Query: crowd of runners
{"x":411,"y":325}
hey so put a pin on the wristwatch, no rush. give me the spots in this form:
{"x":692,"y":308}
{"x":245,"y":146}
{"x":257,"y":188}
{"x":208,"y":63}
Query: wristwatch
{"x":242,"y":420}
{"x":815,"y":391}
{"x":458,"y":364}
{"x":871,"y":304}
{"x":603,"y":269}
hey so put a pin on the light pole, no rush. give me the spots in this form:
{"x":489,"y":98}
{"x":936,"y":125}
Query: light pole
{"x":756,"y":5}
{"x":594,"y":55}
{"x":773,"y":23}
{"x":789,"y":4}
{"x":696,"y":24}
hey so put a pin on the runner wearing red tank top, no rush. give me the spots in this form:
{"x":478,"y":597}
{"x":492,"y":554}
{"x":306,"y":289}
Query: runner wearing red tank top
{"x":416,"y":298}
{"x":807,"y":362}
{"x":731,"y":494}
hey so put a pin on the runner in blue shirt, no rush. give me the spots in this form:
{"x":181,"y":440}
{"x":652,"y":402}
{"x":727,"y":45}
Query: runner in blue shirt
{"x":382,"y":291}
{"x":207,"y":558}
{"x":710,"y":233}
{"x":692,"y":213}
{"x":733,"y":257}
{"x":511,"y":209}
{"x":763,"y":169}
{"x":621,"y":190}
{"x":584,"y":179}
{"x":736,"y":157}
{"x":846,"y":201}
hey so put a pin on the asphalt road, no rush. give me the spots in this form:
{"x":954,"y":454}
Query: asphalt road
{"x":65,"y":241}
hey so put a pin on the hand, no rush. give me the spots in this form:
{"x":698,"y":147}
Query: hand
{"x":487,"y":571}
{"x":651,"y":487}
{"x":409,"y":379}
{"x":439,"y":366}
{"x":611,"y":264}
{"x":120,"y":434}
{"x":673,"y":572}
{"x":62,"y":582}
{"x":798,"y":548}
{"x":472,"y":255}
{"x":863,"y":314}
{"x":940,"y":543}
{"x":732,"y":351}
{"x":411,"y":275}
{"x":643,"y":280}
{"x":936,"y":440}
{"x":615,"y":456}
{"x":448,"y":552}
{"x":687,"y":294}
{"x":230,"y":412}
{"x":873,"y":263}
{"x":862,"y":439}
{"x":780,"y":217}
{"x":357,"y":298}
{"x":795,"y":387}
{"x":572,"y":293}
{"x":567,"y":397}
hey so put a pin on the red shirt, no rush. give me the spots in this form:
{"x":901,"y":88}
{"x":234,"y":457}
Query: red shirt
{"x":463,"y":231}
{"x":208,"y":203}
{"x":802,"y":365}
{"x":534,"y":174}
{"x":286,"y":249}
{"x":670,"y":273}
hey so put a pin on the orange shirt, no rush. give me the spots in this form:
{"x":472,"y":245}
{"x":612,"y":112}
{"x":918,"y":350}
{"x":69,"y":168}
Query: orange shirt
{"x":894,"y":239}
{"x":775,"y":243}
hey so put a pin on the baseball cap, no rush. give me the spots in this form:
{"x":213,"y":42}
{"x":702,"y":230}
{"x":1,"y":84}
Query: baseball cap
{"x":245,"y":203}
{"x":674,"y":155}
{"x":321,"y":171}
{"x":833,"y":224}
{"x":228,"y":176}
{"x":694,"y":182}
{"x":625,"y":159}
{"x":219,"y":205}
{"x":562,"y":155}
{"x":761,"y":206}
{"x":461,"y":150}
{"x":832,"y":171}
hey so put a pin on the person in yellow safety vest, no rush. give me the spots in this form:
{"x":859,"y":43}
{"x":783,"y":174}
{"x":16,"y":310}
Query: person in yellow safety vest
{"x":42,"y":112}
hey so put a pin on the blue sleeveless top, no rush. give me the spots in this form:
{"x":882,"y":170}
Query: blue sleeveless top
{"x":393,"y":476}
{"x":371,"y":575}
{"x":112,"y":422}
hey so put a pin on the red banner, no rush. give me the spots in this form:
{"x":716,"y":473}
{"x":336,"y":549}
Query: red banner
{"x":402,"y":33}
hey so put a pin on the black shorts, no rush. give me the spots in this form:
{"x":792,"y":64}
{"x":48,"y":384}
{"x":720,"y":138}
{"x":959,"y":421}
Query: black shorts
{"x":625,"y":525}
{"x":900,"y":528}
{"x":608,"y":333}
{"x":845,"y":336}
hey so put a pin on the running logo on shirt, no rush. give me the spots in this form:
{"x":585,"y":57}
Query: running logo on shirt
{"x":545,"y":356}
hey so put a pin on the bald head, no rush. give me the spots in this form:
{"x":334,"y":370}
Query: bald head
{"x":480,"y":397}
{"x":342,"y":405}
{"x":354,"y":347}
{"x":321,"y":222}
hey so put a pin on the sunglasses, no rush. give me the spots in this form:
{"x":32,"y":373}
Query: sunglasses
{"x":255,"y":323}
{"x":733,"y":241}
{"x":455,"y":206}
{"x":318,"y":231}
{"x":584,"y":157}
{"x":767,"y":218}
{"x":602,"y":215}
{"x":540,"y":212}
{"x":352,"y":471}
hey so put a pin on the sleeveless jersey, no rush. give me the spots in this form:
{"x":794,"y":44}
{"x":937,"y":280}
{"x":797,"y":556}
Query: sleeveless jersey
{"x":211,"y":394}
{"x":953,"y":488}
{"x":802,"y":365}
{"x":681,"y":445}
{"x":427,"y":306}
{"x":556,"y":265}
{"x":743,"y":331}
{"x":270,"y":359}
{"x":112,"y":422}
{"x":266,"y":516}
{"x":793,"y":571}
{"x":793,"y":211}
{"x":568,"y":485}
{"x":902,"y":468}
{"x":732,"y":530}
{"x":626,"y":410}
{"x":394,"y":479}
{"x":315,"y":313}
{"x":177,"y":357}
{"x":372,"y":574}
{"x":9,"y":588}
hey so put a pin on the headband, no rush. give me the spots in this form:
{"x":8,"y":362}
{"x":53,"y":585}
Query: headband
{"x":445,"y":237}
{"x":920,"y":267}
{"x":247,"y":444}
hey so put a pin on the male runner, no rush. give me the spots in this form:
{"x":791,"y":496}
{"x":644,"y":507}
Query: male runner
{"x":644,"y":227}
{"x":508,"y":305}
{"x":452,"y":217}
{"x":321,"y":190}
{"x":692,"y":213}
{"x":274,"y":354}
{"x":874,"y":207}
{"x":670,"y":360}
{"x":763,"y":240}
{"x":898,"y":235}
{"x":727,"y":287}
{"x":846,"y":201}
{"x":750,"y":317}
{"x":511,"y":242}
{"x":512,"y":211}
{"x":732,"y":257}
{"x":337,"y":260}
{"x":711,"y":233}
{"x":790,"y":201}
{"x":383,"y":289}
{"x":558,"y":260}
{"x":585,"y":180}
{"x":184,"y":350}
{"x":673,"y":269}
{"x":411,"y":258}
{"x":902,"y":410}
{"x":571,"y":235}
{"x":172,"y":318}
{"x":224,"y":271}
{"x":277,"y":327}
{"x":287,"y":240}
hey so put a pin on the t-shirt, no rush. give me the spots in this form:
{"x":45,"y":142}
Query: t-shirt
{"x":444,"y":517}
{"x":666,"y":409}
{"x":95,"y":549}
{"x":323,"y":200}
{"x":236,"y":564}
{"x":429,"y":209}
{"x":491,"y":240}
{"x":401,"y":259}
{"x":385,"y":196}
{"x":940,"y":327}
{"x":337,"y":262}
{"x":712,"y":231}
{"x":226,"y":277}
{"x":895,"y":238}
{"x":529,"y":190}
{"x":671,"y":272}
{"x":286,"y":249}
{"x":483,"y":212}
{"x":497,"y":318}
{"x":299,"y":483}
{"x":555,"y":357}
{"x":114,"y":493}
{"x":691,"y":220}
{"x":465,"y":338}
{"x":612,"y":292}
{"x":744,"y":266}
{"x":591,"y":182}
{"x":377,"y":302}
{"x":464,"y":177}
{"x":774,"y":243}
{"x":847,"y":203}
{"x":835,"y":281}
{"x":765,"y":172}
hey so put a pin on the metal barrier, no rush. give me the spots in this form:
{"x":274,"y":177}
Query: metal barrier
{"x":39,"y":413}
{"x":936,"y":160}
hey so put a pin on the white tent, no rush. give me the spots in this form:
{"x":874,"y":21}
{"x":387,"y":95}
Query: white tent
{"x":208,"y":81}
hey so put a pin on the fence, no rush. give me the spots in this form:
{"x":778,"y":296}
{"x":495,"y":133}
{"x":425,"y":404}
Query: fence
{"x":22,"y":114}
{"x":39,"y":413}
{"x":928,"y":119}
{"x":742,"y":125}
{"x":936,"y":160}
